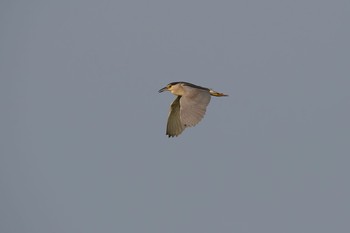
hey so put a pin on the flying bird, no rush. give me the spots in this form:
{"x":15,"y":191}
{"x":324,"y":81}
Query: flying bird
{"x":189,"y":106}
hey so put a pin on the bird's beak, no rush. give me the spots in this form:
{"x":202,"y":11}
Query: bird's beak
{"x":163,"y":89}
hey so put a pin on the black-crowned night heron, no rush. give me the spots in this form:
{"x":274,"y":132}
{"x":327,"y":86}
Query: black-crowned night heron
{"x":189,"y":107}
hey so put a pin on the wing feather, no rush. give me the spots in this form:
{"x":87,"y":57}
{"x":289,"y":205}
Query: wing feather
{"x":193,"y":105}
{"x":174,"y":126}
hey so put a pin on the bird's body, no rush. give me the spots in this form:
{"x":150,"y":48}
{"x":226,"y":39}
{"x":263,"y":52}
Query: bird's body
{"x":189,"y":106}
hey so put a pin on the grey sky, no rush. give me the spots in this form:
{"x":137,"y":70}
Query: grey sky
{"x":83,"y":145}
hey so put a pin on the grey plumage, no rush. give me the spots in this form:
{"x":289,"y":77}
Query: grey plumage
{"x":189,"y":107}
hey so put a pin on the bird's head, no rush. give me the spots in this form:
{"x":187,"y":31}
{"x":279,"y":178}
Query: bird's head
{"x":176,"y":88}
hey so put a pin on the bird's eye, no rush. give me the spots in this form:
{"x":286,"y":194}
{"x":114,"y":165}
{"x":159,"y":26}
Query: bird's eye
{"x":169,"y":85}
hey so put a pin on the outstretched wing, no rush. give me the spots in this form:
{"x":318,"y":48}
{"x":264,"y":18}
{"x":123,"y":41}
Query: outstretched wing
{"x":174,"y":126}
{"x":193,"y":105}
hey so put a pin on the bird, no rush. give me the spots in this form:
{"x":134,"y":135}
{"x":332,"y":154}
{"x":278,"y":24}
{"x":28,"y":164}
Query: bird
{"x":189,"y":107}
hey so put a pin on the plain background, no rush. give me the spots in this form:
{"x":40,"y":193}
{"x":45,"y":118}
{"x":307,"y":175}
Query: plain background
{"x":83,"y":145}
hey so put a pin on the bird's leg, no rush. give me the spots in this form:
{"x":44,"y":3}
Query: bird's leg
{"x":217,"y":94}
